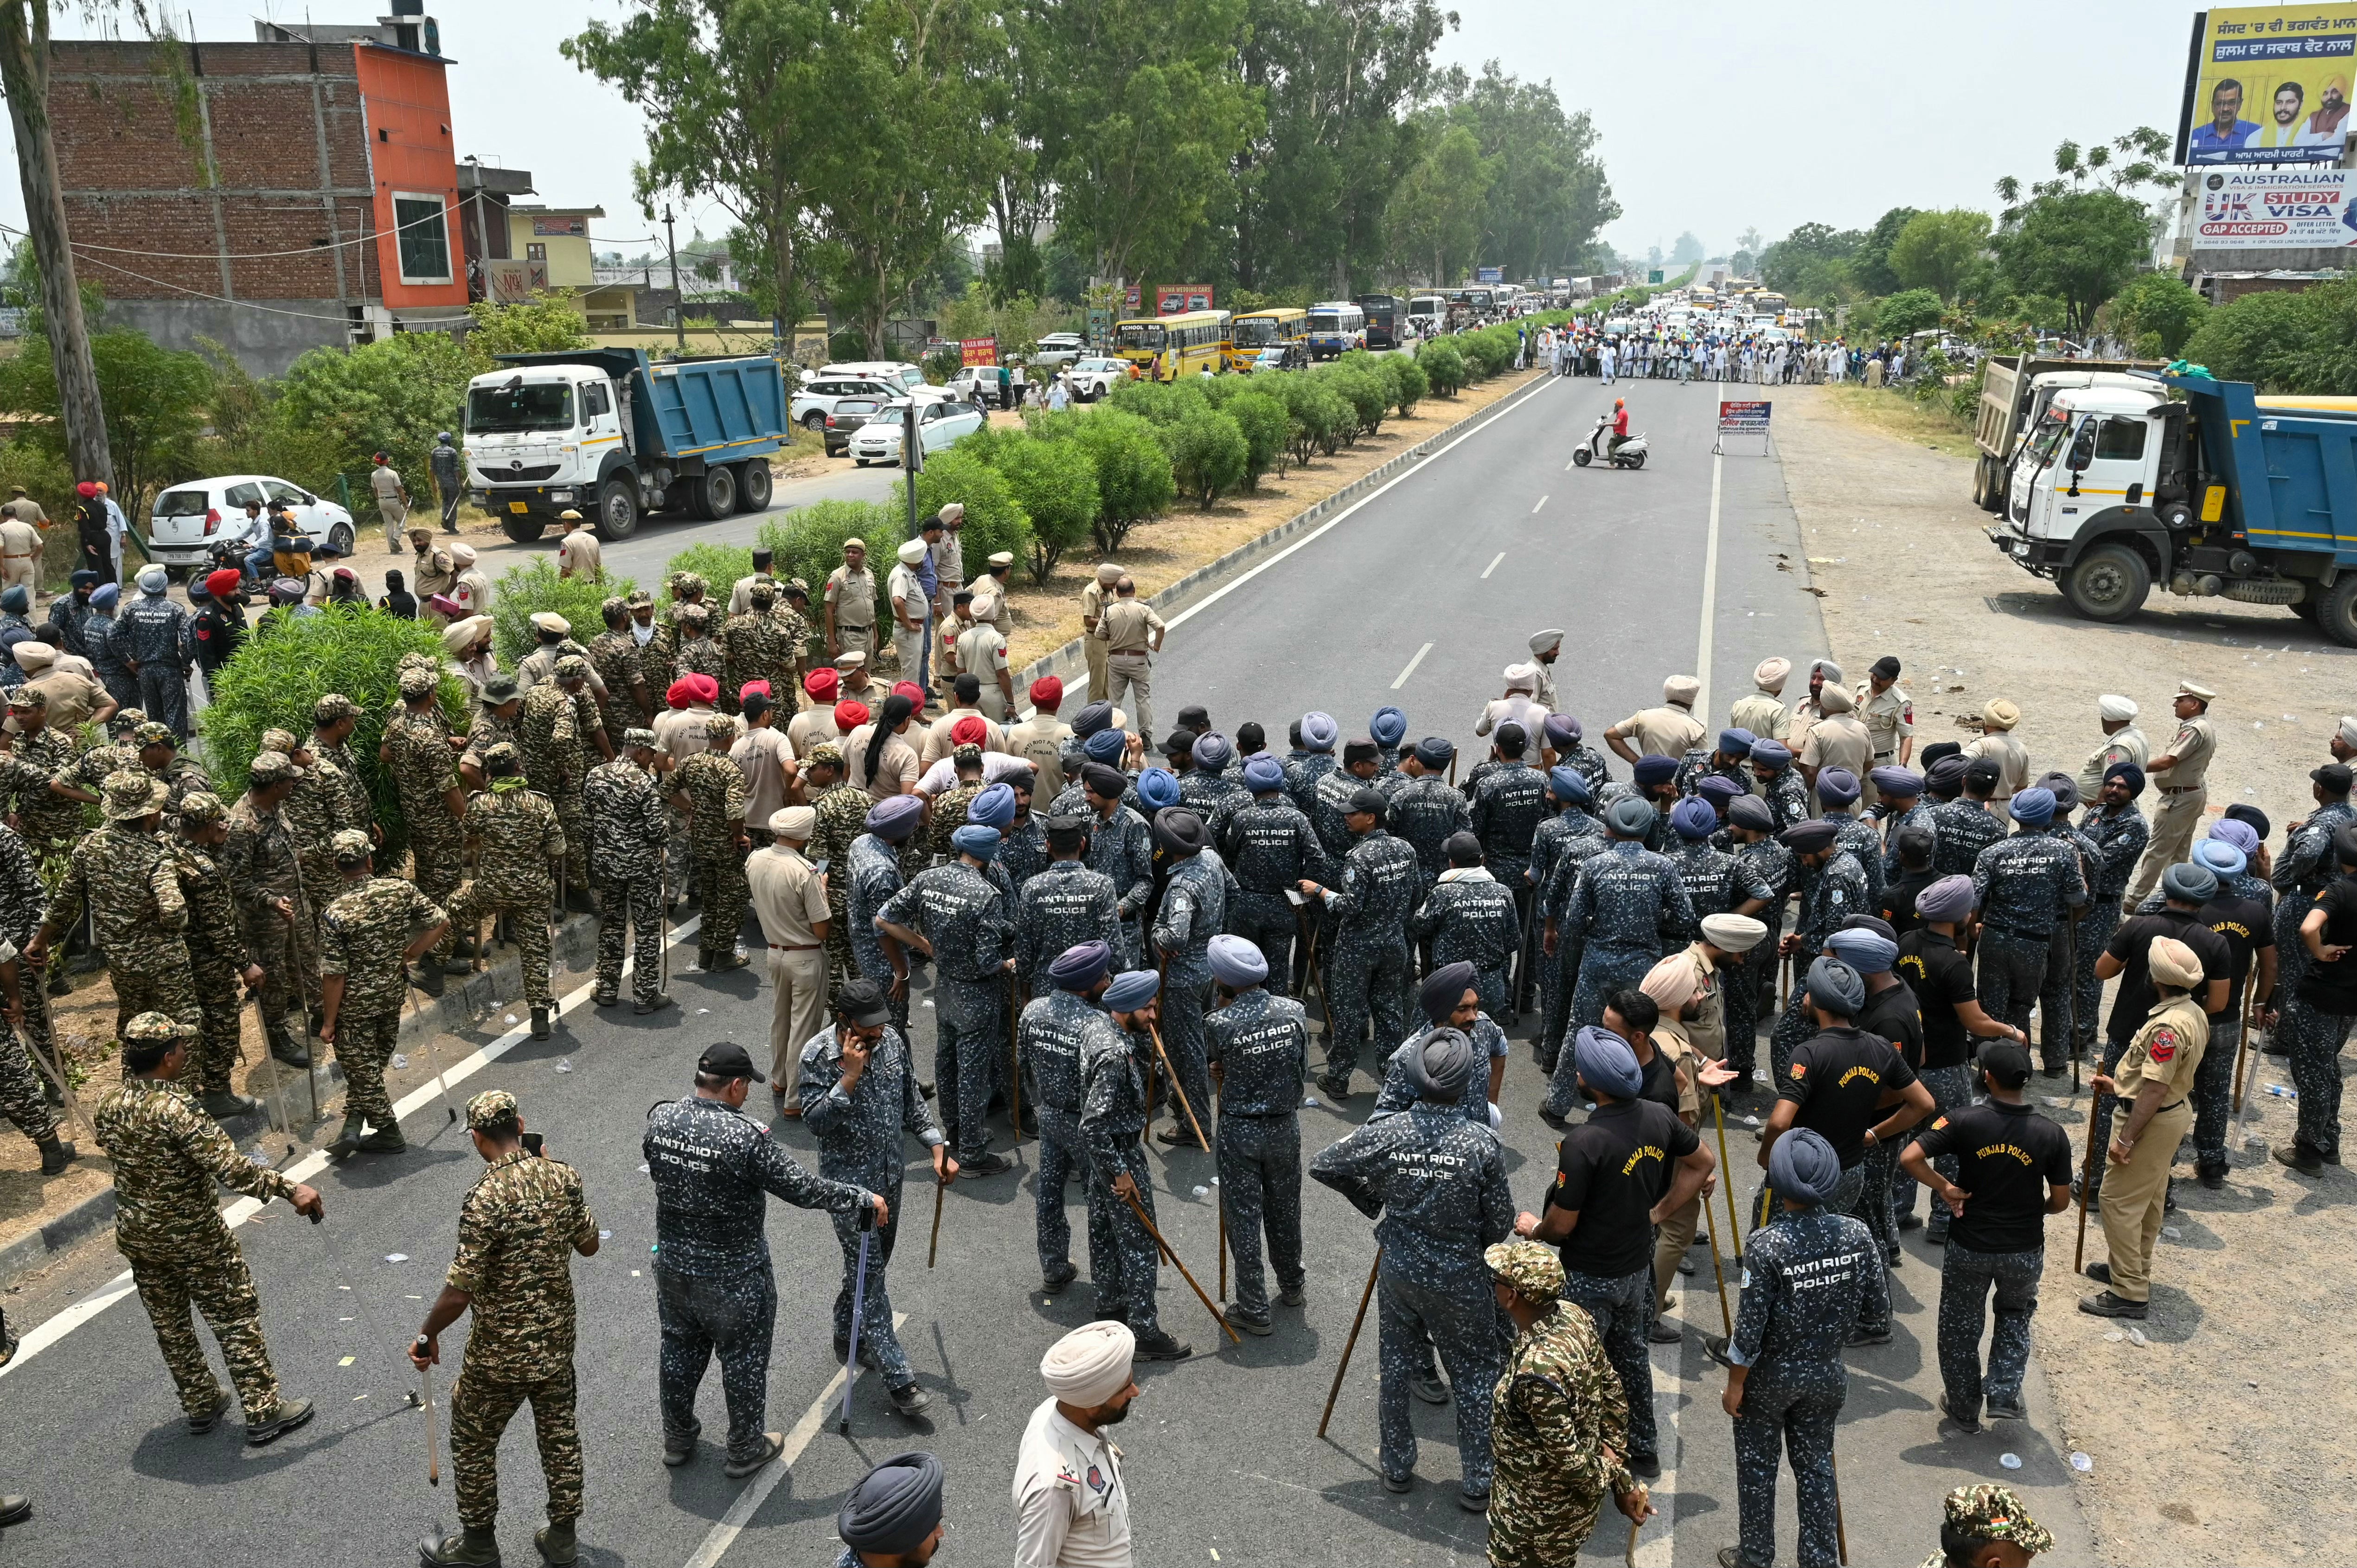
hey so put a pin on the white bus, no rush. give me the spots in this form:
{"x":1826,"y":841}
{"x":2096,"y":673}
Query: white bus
{"x":1336,"y":327}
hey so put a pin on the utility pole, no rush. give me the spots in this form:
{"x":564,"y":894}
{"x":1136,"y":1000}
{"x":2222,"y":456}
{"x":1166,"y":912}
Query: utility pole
{"x":678,"y":300}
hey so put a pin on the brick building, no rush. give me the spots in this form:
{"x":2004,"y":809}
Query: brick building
{"x":297,"y":191}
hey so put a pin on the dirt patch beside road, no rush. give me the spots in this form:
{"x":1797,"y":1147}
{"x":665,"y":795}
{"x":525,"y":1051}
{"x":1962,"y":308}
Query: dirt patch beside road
{"x":2236,"y":1384}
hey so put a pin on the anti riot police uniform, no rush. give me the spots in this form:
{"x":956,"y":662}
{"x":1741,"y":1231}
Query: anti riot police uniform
{"x":1369,"y":970}
{"x":1471,"y":916}
{"x":1262,"y":1044}
{"x":1610,"y":934}
{"x":1058,"y":1031}
{"x":2026,"y":886}
{"x":1272,"y":848}
{"x":965,"y":914}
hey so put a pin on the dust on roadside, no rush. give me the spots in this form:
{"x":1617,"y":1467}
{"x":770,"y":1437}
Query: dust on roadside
{"x":2231,"y":1435}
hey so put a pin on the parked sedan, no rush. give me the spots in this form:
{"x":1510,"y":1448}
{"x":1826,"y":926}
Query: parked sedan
{"x":849,"y":415}
{"x":938,"y":425}
{"x":1092,"y":379}
{"x":189,"y":520}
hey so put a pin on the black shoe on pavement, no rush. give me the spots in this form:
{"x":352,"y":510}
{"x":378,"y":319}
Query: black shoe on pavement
{"x":655,"y":1004}
{"x":987,"y":1164}
{"x":540,"y":1030}
{"x":56,"y":1155}
{"x":1730,"y":1557}
{"x":2293,"y":1157}
{"x":556,"y":1543}
{"x":772,"y":1445}
{"x":467,"y":1549}
{"x":1427,"y":1387}
{"x":1714,"y":1347}
{"x":2100,"y":1273}
{"x":721,"y":964}
{"x":1964,"y":1423}
{"x":386,"y":1140}
{"x":290,"y":1414}
{"x":1335,"y":1086}
{"x":1398,"y":1483}
{"x":2106,"y":1305}
{"x":201,"y":1424}
{"x":2003,"y":1410}
{"x":1473,"y":1502}
{"x":293,"y":1054}
{"x":1646,"y":1464}
{"x":1291,"y":1295}
{"x":1665,"y":1332}
{"x":2211,"y":1178}
{"x":1159,"y":1346}
{"x":1910,"y":1222}
{"x":1238,"y":1318}
{"x":428,"y":980}
{"x":910,"y":1399}
{"x":1868,"y":1336}
{"x":1179,"y":1137}
{"x":679,"y":1452}
{"x":221,"y":1105}
{"x":1053,"y":1282}
{"x":14,"y":1510}
{"x":1556,"y":1121}
{"x":607,"y":999}
{"x":348,"y":1137}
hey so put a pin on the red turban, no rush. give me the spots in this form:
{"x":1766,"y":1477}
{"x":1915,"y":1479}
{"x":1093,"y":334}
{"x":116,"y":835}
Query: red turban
{"x":748,"y":689}
{"x":220,"y":584}
{"x":682,"y":693}
{"x":849,"y":716}
{"x":970,"y":730}
{"x":1047,"y":693}
{"x":821,"y":683}
{"x":914,"y":693}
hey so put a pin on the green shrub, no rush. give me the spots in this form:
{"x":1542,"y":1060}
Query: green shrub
{"x":1208,"y":455}
{"x":718,"y":565}
{"x":1134,"y":477}
{"x":1262,"y":418}
{"x":808,"y":543}
{"x":289,"y":663}
{"x":1318,"y":417}
{"x":1908,"y":311}
{"x":1056,"y":484}
{"x":1489,"y":353}
{"x":994,"y":519}
{"x":1443,"y":365}
{"x":1366,"y":389}
{"x":1407,"y":381}
{"x":1163,"y":402}
{"x":524,"y":592}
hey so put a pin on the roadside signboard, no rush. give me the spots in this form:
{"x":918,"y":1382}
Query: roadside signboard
{"x":977,"y":350}
{"x":1177,"y":298}
{"x":2256,"y":208}
{"x":2268,"y":84}
{"x":1744,"y":418}
{"x":1489,"y":274}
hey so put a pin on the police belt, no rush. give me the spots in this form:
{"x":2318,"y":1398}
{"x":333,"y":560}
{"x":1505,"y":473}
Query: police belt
{"x":2018,"y":936}
{"x":2127,"y":1102}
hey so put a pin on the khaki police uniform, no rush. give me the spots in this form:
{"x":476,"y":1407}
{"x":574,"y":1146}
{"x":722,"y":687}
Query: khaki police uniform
{"x":2184,"y":791}
{"x":1127,"y":629}
{"x":2012,"y":759}
{"x":1838,"y":740}
{"x":1890,"y":718}
{"x":2127,"y":745}
{"x":1040,"y":741}
{"x":1670,"y":730}
{"x":2167,"y":1049}
{"x":853,"y":594}
{"x":1762,"y":712}
{"x":1092,"y":603}
{"x":788,"y":897}
{"x":981,"y":652}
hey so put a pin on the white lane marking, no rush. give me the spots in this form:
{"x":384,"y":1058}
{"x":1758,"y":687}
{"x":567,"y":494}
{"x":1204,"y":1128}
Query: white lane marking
{"x":1416,"y":661}
{"x":1519,"y":400}
{"x":1657,"y":1544}
{"x":749,"y":1501}
{"x":1492,"y":565}
{"x":55,"y":1329}
{"x":1709,"y":593}
{"x":1568,"y":468}
{"x":1541,"y":501}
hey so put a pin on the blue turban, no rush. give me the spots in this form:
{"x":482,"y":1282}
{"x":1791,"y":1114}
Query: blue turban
{"x":1078,"y":968}
{"x":1132,"y":989}
{"x":2221,"y":857}
{"x":1865,"y":951}
{"x":1630,"y":817}
{"x":1443,"y":989}
{"x":977,"y":841}
{"x":1836,"y":987}
{"x":2239,"y":833}
{"x":1655,"y":770}
{"x":2190,"y":883}
{"x":1802,"y":1166}
{"x":1157,"y":787}
{"x":82,"y":578}
{"x":1811,"y":837}
{"x":1772,"y":754}
{"x":1434,"y":752}
{"x":105,"y":596}
{"x":1439,"y":1065}
{"x":1898,"y":783}
{"x":1949,"y":898}
{"x":1694,"y":818}
{"x":1720,"y":789}
{"x":1092,"y":718}
{"x":1736,"y":742}
{"x":1237,"y":962}
{"x":1318,"y":732}
{"x":1107,"y":746}
{"x":1569,"y":786}
{"x":2127,"y":773}
{"x":1608,"y":1062}
{"x":994,"y":808}
{"x":1562,"y":730}
{"x":1212,"y":752}
{"x":1262,"y":775}
{"x":895,"y":1508}
{"x":2032,"y":807}
{"x":894,"y":819}
{"x":1387,"y":727}
{"x":1837,"y":786}
{"x":17,"y":600}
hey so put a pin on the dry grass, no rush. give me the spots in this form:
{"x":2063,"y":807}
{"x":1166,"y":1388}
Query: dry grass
{"x":1903,"y":419}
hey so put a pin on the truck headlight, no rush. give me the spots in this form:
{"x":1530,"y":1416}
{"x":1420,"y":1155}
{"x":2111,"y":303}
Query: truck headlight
{"x":560,"y":495}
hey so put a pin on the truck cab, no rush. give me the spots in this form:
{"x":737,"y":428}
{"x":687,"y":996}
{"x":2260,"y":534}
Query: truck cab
{"x":556,"y":429}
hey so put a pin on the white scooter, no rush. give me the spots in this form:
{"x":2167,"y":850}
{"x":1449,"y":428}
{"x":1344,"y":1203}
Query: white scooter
{"x":1630,"y":454}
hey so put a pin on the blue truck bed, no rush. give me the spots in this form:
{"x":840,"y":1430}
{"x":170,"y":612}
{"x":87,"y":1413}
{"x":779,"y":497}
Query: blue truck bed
{"x":721,"y":410}
{"x":2292,"y":469}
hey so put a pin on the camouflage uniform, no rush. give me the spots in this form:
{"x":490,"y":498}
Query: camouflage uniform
{"x":23,"y":901}
{"x":517,"y":841}
{"x":517,"y":1232}
{"x":130,"y":880}
{"x":50,"y":821}
{"x":960,"y":911}
{"x":700,"y":655}
{"x":91,"y":770}
{"x":949,"y":806}
{"x":1262,"y":1044}
{"x":21,"y":1100}
{"x":360,"y":806}
{"x":422,"y":771}
{"x":841,"y":818}
{"x":1051,"y":1042}
{"x":555,"y":726}
{"x":319,"y":809}
{"x":758,"y":646}
{"x":260,"y":860}
{"x":625,"y":826}
{"x":168,"y":1156}
{"x":361,"y":938}
{"x":1558,"y":1426}
{"x":614,"y":655}
{"x":716,"y":792}
{"x":217,"y":955}
{"x":859,"y":1144}
{"x":1987,"y":1512}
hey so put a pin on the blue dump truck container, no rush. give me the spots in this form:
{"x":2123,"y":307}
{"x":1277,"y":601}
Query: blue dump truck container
{"x":616,"y":436}
{"x":2199,"y":487}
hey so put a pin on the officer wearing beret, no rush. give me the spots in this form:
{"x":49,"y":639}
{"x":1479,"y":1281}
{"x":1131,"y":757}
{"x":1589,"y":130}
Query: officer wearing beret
{"x":1123,"y":1258}
{"x":1986,"y":1527}
{"x":1609,"y":922}
{"x":893,"y":1516}
{"x":1259,"y":1044}
{"x":1368,"y":973}
{"x":1888,"y":715}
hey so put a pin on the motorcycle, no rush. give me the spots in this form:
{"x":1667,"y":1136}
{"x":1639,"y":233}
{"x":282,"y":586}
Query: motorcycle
{"x":1630,"y":454}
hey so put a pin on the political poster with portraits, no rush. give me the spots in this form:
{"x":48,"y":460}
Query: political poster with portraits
{"x":2268,"y":84}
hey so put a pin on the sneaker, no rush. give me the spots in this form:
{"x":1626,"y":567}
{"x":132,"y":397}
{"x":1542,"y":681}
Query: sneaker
{"x":1869,"y":1336}
{"x":1427,"y":1387}
{"x":201,"y":1424}
{"x":2106,"y":1305}
{"x":910,"y":1399}
{"x":987,"y":1163}
{"x":1159,"y":1346}
{"x":1963,"y":1423}
{"x":1399,"y":1483}
{"x":2293,"y":1157}
{"x":1237,"y":1317}
{"x":1291,"y":1295}
{"x":2003,"y":1410}
{"x":290,"y":1414}
{"x":655,"y":1004}
{"x":772,"y":1445}
{"x":1665,"y":1332}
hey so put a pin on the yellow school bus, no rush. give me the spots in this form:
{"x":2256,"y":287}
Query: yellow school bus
{"x":1168,"y":346}
{"x":1258,"y":329}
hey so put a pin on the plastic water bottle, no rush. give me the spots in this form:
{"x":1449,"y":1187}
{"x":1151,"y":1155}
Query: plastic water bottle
{"x":2281,"y":1092}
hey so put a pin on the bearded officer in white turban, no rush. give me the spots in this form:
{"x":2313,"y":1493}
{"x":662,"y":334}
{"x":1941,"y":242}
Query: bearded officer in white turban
{"x":1545,"y":648}
{"x":1072,"y":1506}
{"x":2122,"y":742}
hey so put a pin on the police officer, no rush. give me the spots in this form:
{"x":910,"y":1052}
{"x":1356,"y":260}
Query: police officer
{"x":1052,"y":1039}
{"x":2181,"y":775}
{"x":521,"y":1223}
{"x":1941,"y":977}
{"x":1670,"y":730}
{"x":1508,"y":806}
{"x":2327,"y":998}
{"x":1063,"y":906}
{"x":1425,"y":809}
{"x":1625,"y":1170}
{"x":1888,"y":715}
{"x":1999,"y":1151}
{"x":892,"y":1518}
{"x":1193,"y":909}
{"x":369,"y":934}
{"x":1436,"y":1184}
{"x":955,"y":915}
{"x":1717,"y":883}
{"x":1868,"y":946}
{"x":1611,"y":924}
{"x":1471,"y":916}
{"x":1368,"y":973}
{"x":1837,"y":791}
{"x":1779,"y":783}
{"x":1123,"y":1258}
{"x":2148,"y":1086}
{"x":1271,"y":848}
{"x":1963,"y":824}
{"x":1986,"y":1527}
{"x":2303,"y":871}
{"x":1725,"y":759}
{"x":2122,"y":742}
{"x":2119,"y":833}
{"x":1751,"y":827}
{"x":628,"y":835}
{"x":2185,"y":888}
{"x":1808,"y":1278}
{"x":1121,"y":846}
{"x":877,"y":876}
{"x":519,"y":844}
{"x":1571,"y":834}
{"x":2026,"y":887}
{"x":1259,"y":1044}
{"x":859,"y":1096}
{"x":1761,"y":710}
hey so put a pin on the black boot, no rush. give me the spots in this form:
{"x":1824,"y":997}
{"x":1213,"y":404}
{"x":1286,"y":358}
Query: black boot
{"x":558,"y":1549}
{"x":467,"y":1549}
{"x":287,"y":1049}
{"x":539,"y":1023}
{"x":221,"y":1105}
{"x":350,"y":1137}
{"x":385,"y":1140}
{"x":56,"y":1155}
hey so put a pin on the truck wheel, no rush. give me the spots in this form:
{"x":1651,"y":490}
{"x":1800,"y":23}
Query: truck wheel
{"x":617,"y":509}
{"x":2109,"y":584}
{"x":522,"y":529}
{"x":1981,"y":484}
{"x":753,"y":486}
{"x":714,"y":493}
{"x":2337,"y":615}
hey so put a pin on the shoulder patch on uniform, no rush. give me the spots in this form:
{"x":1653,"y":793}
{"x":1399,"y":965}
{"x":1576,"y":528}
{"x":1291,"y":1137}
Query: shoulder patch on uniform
{"x":1800,"y":1070}
{"x":1940,"y":1123}
{"x":2164,"y":1046}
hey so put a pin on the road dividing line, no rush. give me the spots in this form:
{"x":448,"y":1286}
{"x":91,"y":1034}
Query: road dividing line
{"x":765,"y":1481}
{"x":1657,"y":1544}
{"x":1709,"y":592}
{"x":1492,"y":565}
{"x":1535,"y":510}
{"x":1419,"y":655}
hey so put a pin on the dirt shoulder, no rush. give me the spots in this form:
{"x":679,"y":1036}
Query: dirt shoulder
{"x":1884,"y":501}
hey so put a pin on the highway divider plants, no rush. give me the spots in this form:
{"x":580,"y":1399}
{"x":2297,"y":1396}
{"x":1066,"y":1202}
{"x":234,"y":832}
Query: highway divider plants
{"x":524,"y":592}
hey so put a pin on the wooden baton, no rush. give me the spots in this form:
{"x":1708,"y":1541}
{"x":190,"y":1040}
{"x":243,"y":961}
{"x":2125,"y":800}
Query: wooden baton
{"x":1357,"y":1321}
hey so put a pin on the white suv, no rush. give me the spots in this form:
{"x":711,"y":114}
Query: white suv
{"x":938,"y":425}
{"x":1092,"y":379}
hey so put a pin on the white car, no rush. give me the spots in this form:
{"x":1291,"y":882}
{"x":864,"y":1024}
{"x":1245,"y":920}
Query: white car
{"x":189,"y":520}
{"x":816,"y":399}
{"x":1092,"y":379}
{"x":1056,"y":349}
{"x":938,"y":425}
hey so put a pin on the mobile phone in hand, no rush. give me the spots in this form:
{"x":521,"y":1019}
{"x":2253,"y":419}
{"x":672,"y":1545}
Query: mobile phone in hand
{"x":532,"y":1144}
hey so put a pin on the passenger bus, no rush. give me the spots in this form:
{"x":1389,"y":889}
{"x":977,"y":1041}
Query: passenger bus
{"x":1336,"y":327}
{"x":1168,"y":346}
{"x":1258,"y":329}
{"x":1762,"y":302}
{"x":1427,"y":312}
{"x":1382,"y":318}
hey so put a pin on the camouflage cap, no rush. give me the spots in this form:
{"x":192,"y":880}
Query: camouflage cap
{"x":610,"y":606}
{"x":720,"y":727}
{"x":351,"y":846}
{"x":201,"y":809}
{"x":501,"y":757}
{"x":151,"y":733}
{"x":694,"y":615}
{"x":795,"y":587}
{"x":639,"y":599}
{"x":966,"y":756}
{"x":1534,"y":1271}
{"x":31,"y":699}
{"x":634,"y":737}
{"x":763,"y":592}
{"x":278,"y":740}
{"x":499,"y":691}
{"x":1991,"y":1512}
{"x":416,"y":683}
{"x":572,"y":666}
{"x":688,"y":582}
{"x":417,"y":662}
{"x":162,"y":1028}
{"x":126,"y":720}
{"x":130,"y":792}
{"x":270,"y":767}
{"x":334,"y":708}
{"x":825,"y":753}
{"x":489,"y":1108}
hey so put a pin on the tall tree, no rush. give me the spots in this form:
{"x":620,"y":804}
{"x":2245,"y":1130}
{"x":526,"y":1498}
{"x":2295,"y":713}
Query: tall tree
{"x":2078,"y":247}
{"x":1435,"y":219}
{"x":1549,"y":196}
{"x":1936,"y":250}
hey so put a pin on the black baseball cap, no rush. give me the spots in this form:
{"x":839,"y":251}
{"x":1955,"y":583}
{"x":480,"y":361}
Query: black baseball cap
{"x":2334,"y":776}
{"x":2007,"y":1062}
{"x":862,"y":1001}
{"x":727,"y":1060}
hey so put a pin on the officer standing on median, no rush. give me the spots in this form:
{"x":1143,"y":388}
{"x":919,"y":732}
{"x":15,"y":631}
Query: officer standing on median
{"x":1259,"y":1044}
{"x":715,"y":1290}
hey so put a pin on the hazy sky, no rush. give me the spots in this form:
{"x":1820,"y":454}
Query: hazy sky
{"x":1786,"y":113}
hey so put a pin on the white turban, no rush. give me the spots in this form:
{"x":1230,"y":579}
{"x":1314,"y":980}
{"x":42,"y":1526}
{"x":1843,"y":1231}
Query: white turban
{"x":1733,"y":933}
{"x":1087,"y":1367}
{"x":464,"y":554}
{"x":2348,"y":724}
{"x":795,"y":822}
{"x":1770,"y":675}
{"x":1542,"y":640}
{"x":35,"y":656}
{"x":1522,"y":677}
{"x":913,"y":552}
{"x":462,"y":635}
{"x":2118,"y":709}
{"x":1834,"y":699}
{"x":1682,"y":690}
{"x":549,"y":621}
{"x":1829,"y":669}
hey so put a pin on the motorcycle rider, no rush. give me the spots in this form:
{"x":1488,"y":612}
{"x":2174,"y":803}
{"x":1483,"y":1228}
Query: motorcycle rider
{"x":1619,"y":425}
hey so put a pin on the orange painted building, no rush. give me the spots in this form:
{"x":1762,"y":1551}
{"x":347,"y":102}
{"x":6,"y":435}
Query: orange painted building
{"x":414,"y":166}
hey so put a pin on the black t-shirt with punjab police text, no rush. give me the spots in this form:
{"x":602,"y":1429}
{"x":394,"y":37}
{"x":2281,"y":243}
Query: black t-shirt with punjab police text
{"x":1611,"y":1169}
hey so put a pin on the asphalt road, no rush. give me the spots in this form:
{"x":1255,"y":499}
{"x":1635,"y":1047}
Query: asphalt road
{"x":1490,"y":539}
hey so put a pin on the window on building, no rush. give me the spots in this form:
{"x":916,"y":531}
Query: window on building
{"x":424,"y":238}
{"x":535,"y":253}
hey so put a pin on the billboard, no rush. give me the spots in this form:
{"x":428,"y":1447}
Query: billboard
{"x":977,"y":350}
{"x":1489,"y":274}
{"x":2268,"y":84}
{"x":2251,"y":209}
{"x":1176,"y":299}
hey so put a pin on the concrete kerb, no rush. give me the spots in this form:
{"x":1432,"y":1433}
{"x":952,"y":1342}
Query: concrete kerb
{"x":462,"y":1006}
{"x":1069,"y":659}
